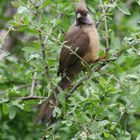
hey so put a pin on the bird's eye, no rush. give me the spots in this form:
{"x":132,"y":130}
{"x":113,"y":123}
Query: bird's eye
{"x":85,"y":14}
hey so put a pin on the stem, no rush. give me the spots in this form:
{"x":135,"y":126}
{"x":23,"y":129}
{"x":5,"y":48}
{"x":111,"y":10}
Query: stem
{"x":104,"y":14}
{"x":106,"y":27}
{"x":33,"y":84}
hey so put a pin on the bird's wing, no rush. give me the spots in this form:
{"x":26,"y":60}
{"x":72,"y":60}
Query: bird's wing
{"x":78,"y":41}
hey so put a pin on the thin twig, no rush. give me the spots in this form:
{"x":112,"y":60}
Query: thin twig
{"x":31,"y":98}
{"x":106,"y":27}
{"x":79,"y":84}
{"x":102,"y":16}
{"x":122,"y":115}
{"x":44,"y":54}
{"x":25,"y":5}
{"x":9,"y":30}
{"x":117,"y":55}
{"x":33,"y":84}
{"x":72,"y":51}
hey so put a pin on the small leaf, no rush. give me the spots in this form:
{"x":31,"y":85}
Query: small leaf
{"x":102,"y":82}
{"x":22,"y":10}
{"x":5,"y":108}
{"x":138,"y":137}
{"x":3,"y":100}
{"x":103,"y":123}
{"x":61,"y":97}
{"x":32,"y":56}
{"x":4,"y":54}
{"x":112,"y":37}
{"x":29,"y":50}
{"x":56,"y":111}
{"x":16,"y":4}
{"x":131,"y":76}
{"x":138,"y":1}
{"x":122,"y":7}
{"x":106,"y":134}
{"x":18,"y":104}
{"x":12,"y":112}
{"x":113,"y":125}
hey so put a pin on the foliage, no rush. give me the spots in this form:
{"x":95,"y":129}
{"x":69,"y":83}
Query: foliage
{"x":105,"y":105}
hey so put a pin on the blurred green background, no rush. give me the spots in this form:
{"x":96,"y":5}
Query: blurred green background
{"x":105,"y":107}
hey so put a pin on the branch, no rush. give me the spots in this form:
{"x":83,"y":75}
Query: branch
{"x":43,"y":51}
{"x":99,"y":67}
{"x":33,"y":84}
{"x":106,"y":27}
{"x":72,"y":51}
{"x":123,"y":112}
{"x":37,"y":15}
{"x":31,"y":98}
{"x":7,"y":33}
{"x":79,"y":84}
{"x":105,"y":11}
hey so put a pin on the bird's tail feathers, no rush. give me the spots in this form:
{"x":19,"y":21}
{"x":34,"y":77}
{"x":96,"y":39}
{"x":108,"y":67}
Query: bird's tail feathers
{"x":46,"y":110}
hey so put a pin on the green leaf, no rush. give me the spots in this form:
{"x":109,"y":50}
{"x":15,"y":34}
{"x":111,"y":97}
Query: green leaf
{"x":12,"y":112}
{"x":33,"y":56}
{"x":21,"y":9}
{"x":16,"y":4}
{"x":138,"y":137}
{"x":122,"y":7}
{"x":112,"y":37}
{"x":138,"y":1}
{"x":103,"y":123}
{"x":102,"y":82}
{"x":18,"y":104}
{"x":56,"y":111}
{"x":5,"y":108}
{"x":3,"y":100}
{"x":3,"y":55}
{"x":106,"y":134}
{"x":61,"y":97}
{"x":30,"y":49}
{"x":132,"y":76}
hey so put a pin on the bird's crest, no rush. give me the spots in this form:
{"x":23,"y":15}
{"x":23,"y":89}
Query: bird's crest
{"x":81,"y":6}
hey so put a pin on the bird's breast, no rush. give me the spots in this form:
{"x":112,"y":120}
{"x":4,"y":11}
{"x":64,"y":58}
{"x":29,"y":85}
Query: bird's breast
{"x":93,"y":48}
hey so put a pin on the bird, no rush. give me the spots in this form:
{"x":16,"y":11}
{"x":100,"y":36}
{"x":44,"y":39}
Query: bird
{"x":81,"y":44}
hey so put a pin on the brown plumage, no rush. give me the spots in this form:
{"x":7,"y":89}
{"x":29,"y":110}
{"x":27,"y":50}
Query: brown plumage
{"x":82,"y":38}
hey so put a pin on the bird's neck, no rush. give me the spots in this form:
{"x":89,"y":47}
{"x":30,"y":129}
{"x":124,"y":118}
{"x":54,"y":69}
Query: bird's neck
{"x":82,"y":24}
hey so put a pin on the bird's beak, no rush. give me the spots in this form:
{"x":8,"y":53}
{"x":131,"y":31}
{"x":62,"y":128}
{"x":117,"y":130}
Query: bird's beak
{"x":79,"y":15}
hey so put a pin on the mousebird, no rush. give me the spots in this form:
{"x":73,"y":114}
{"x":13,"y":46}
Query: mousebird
{"x":81,"y":38}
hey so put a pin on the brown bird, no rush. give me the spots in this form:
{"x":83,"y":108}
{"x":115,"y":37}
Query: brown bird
{"x":82,"y":38}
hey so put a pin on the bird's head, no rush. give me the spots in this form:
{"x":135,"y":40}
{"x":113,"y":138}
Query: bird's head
{"x":82,"y":14}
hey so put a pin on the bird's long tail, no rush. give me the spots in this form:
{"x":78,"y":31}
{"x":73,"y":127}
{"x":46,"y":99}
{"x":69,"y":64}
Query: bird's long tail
{"x":46,"y":110}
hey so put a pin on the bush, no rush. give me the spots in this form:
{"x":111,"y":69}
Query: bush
{"x":104,"y":104}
